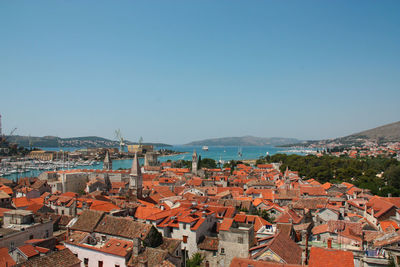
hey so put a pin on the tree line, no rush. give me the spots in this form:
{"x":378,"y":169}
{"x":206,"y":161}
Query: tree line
{"x":380,"y":175}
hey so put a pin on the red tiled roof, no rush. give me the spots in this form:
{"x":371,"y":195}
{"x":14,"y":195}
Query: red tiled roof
{"x":144,"y":212}
{"x":69,"y":194}
{"x":326,"y":185}
{"x":197,"y":225}
{"x":388,"y":224}
{"x":28,"y":250}
{"x":286,"y":248}
{"x":348,"y":185}
{"x":330,"y":258}
{"x":312,"y":190}
{"x":5,"y":258}
{"x":6,"y":189}
{"x":21,"y":202}
{"x":103,"y":206}
{"x":289,"y":216}
{"x":241,"y":262}
{"x":226,"y":224}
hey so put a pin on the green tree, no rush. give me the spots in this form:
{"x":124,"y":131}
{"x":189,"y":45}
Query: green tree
{"x":154,"y":238}
{"x":208,"y":163}
{"x":392,"y":175}
{"x":195,"y":260}
{"x":199,"y":165}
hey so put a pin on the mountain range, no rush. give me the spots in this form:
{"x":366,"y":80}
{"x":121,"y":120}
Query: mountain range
{"x":388,"y":133}
{"x":54,"y":141}
{"x":382,"y":134}
{"x":244,"y":141}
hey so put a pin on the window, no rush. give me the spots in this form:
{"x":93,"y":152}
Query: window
{"x":184,"y":225}
{"x":240,"y":240}
{"x":177,"y":252}
{"x":222,"y":251}
{"x":86,"y":262}
{"x":214,"y":253}
{"x":31,"y":237}
{"x":116,"y":265}
{"x":100,"y":263}
{"x":185,"y":239}
{"x":47,"y":233}
{"x":12,"y":246}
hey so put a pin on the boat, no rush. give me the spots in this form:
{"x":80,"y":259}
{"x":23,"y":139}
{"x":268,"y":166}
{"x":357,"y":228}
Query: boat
{"x":205,"y":148}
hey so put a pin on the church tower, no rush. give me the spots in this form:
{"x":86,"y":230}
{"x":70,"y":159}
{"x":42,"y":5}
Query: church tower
{"x":194,"y":162}
{"x":107,"y":163}
{"x":135,"y":179}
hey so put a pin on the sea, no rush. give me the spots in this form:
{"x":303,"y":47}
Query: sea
{"x":218,"y":153}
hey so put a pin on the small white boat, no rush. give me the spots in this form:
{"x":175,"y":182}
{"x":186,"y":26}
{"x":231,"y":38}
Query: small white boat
{"x":205,"y":148}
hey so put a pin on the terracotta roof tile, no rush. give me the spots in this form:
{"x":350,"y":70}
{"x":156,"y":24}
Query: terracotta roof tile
{"x":5,"y":258}
{"x":226,"y":224}
{"x":123,"y":227}
{"x":209,"y":243}
{"x":330,"y":258}
{"x":88,"y":220}
{"x":28,"y":250}
{"x":241,"y":262}
{"x":63,"y":258}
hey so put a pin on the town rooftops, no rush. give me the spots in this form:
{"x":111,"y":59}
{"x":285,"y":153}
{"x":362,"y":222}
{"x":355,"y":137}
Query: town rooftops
{"x":112,"y":246}
{"x":122,"y":227}
{"x":209,"y":243}
{"x":286,"y":248}
{"x":28,"y":250}
{"x":63,"y":258}
{"x":88,"y":220}
{"x":330,"y":258}
{"x":242,"y":262}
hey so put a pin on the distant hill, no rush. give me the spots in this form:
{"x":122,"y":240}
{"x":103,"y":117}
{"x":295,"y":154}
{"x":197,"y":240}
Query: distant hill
{"x":54,"y":141}
{"x":388,"y":132}
{"x":244,"y":141}
{"x":382,"y":134}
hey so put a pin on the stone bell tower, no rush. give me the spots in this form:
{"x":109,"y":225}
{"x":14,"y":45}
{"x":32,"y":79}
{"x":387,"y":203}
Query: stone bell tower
{"x":107,"y":163}
{"x":135,"y":178}
{"x":194,"y":162}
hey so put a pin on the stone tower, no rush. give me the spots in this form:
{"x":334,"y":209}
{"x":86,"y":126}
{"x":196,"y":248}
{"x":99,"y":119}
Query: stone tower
{"x":194,"y":162}
{"x":135,"y":178}
{"x":107,"y":163}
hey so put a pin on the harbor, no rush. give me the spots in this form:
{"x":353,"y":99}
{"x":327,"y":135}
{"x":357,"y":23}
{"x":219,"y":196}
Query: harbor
{"x":22,"y":167}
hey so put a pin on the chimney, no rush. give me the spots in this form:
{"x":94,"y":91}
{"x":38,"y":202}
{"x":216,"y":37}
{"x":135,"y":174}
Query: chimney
{"x":137,"y":246}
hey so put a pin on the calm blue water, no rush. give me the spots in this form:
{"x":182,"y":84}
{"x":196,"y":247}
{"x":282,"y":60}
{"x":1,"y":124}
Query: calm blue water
{"x":216,"y":153}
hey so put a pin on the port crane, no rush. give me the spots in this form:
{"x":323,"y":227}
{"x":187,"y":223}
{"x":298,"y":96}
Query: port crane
{"x":6,"y":137}
{"x":140,"y":142}
{"x":118,"y":136}
{"x":30,"y":142}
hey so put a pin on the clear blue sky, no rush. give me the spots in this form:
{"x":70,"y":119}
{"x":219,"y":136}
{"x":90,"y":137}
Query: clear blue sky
{"x":178,"y":71}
